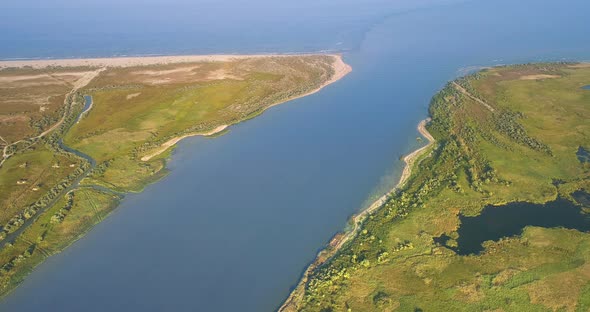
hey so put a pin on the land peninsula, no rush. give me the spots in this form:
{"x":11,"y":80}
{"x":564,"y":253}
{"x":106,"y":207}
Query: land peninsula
{"x":77,"y":134}
{"x":490,"y":215}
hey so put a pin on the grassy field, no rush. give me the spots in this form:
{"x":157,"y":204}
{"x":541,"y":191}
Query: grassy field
{"x":504,"y":134}
{"x":135,"y":111}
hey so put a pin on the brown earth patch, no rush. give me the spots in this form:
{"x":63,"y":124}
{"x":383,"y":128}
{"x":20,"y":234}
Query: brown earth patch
{"x":538,"y":77}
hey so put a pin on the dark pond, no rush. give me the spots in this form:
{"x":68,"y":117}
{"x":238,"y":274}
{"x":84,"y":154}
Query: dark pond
{"x":583,"y":155}
{"x":496,"y":222}
{"x":582,"y":198}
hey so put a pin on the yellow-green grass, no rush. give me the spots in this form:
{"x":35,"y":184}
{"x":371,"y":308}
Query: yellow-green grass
{"x":481,"y":158}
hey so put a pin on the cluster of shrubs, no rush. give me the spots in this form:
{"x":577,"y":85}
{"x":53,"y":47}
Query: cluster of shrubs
{"x":60,"y":215}
{"x":507,"y":123}
{"x":45,"y":121}
{"x":8,"y":266}
{"x":100,"y":169}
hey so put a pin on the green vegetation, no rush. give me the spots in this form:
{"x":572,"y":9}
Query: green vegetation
{"x":51,"y":193}
{"x":502,"y":135}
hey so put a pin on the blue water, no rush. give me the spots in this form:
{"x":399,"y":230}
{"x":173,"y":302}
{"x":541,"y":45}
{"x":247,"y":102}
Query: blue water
{"x":586,"y":87}
{"x":240,"y":216}
{"x":87,"y":105}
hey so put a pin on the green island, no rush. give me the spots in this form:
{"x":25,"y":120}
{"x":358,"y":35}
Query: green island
{"x":76,"y":135}
{"x":493,"y":215}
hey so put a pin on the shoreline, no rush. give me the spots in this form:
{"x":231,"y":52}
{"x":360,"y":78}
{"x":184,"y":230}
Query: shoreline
{"x":131,"y":61}
{"x":338,"y":241}
{"x":165,"y":54}
{"x":340,"y":68}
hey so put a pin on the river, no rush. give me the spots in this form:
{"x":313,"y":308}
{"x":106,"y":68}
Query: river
{"x":235,"y":223}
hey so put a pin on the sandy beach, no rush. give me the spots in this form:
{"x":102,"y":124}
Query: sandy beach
{"x":136,"y":60}
{"x":166,"y":145}
{"x":341,"y":69}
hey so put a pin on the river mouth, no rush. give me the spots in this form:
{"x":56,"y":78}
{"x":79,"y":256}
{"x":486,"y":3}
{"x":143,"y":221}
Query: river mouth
{"x":496,"y":222}
{"x":237,"y":220}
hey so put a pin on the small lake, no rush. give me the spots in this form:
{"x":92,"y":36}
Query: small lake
{"x":496,"y":222}
{"x":586,"y":87}
{"x":583,"y":155}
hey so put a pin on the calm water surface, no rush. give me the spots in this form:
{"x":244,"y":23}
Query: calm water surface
{"x":240,"y":216}
{"x":496,"y":222}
